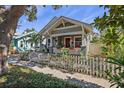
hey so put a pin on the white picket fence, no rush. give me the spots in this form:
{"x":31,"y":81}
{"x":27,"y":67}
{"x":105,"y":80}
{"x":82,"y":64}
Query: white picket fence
{"x":95,"y":66}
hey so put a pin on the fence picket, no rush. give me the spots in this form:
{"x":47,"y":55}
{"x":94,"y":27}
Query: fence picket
{"x":94,"y":66}
{"x":91,"y":59}
{"x":100,"y":67}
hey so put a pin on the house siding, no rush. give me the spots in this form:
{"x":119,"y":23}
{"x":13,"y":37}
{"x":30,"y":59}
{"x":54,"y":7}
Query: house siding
{"x":67,"y":30}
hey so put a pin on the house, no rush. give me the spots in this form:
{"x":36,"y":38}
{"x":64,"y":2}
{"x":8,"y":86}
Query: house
{"x":63,"y":32}
{"x":22,"y":43}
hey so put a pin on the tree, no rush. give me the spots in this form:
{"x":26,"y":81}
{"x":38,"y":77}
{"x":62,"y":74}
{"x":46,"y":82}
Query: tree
{"x":8,"y":25}
{"x":29,"y":30}
{"x":113,"y":17}
{"x":111,"y":27}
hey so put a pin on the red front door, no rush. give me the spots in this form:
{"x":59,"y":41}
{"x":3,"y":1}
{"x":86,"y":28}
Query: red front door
{"x":67,"y":42}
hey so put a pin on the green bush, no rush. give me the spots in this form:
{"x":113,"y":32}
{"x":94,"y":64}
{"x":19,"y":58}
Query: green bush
{"x":24,"y":56}
{"x":117,"y":78}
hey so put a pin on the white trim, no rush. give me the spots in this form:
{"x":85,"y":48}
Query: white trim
{"x":76,"y":37}
{"x":67,"y":27}
{"x":53,"y":25}
{"x":68,"y":33}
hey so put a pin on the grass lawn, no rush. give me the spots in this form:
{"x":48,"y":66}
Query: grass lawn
{"x":22,"y":77}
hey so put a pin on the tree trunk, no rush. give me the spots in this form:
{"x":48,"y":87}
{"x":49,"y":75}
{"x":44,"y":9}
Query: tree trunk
{"x":7,"y":30}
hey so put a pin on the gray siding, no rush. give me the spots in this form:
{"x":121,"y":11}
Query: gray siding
{"x":74,"y":29}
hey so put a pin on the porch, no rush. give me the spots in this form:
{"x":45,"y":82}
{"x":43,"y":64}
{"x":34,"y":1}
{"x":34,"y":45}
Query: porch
{"x":74,"y":43}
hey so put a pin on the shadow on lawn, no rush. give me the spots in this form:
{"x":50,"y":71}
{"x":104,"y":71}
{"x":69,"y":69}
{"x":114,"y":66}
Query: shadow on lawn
{"x":83,"y":84}
{"x":22,"y":77}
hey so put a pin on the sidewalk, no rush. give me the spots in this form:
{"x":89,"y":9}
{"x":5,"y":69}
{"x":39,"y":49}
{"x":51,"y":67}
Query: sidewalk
{"x":81,"y":79}
{"x":84,"y":81}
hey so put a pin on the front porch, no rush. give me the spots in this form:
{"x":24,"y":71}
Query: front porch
{"x":74,"y":43}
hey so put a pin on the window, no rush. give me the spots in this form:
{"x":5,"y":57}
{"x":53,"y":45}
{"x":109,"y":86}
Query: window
{"x":31,"y":44}
{"x":78,"y":42}
{"x":48,"y":42}
{"x":21,"y":45}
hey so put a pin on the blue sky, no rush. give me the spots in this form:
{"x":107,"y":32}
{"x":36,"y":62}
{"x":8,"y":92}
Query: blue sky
{"x":84,"y":13}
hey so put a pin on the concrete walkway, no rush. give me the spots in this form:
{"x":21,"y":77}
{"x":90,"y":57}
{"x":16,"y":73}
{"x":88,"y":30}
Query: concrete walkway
{"x":84,"y":81}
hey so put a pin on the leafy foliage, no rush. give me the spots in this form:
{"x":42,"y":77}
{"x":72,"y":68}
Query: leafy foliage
{"x":24,"y":56}
{"x":64,"y":52}
{"x":112,"y":40}
{"x":22,"y":77}
{"x":29,"y":30}
{"x":35,"y":38}
{"x":95,"y":39}
{"x":111,"y":28}
{"x":113,"y":16}
{"x":118,"y":78}
{"x":31,"y":13}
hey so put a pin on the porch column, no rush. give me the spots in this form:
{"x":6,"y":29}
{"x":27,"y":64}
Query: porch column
{"x":84,"y":42}
{"x":83,"y":36}
{"x":51,"y":45}
{"x":51,"y":42}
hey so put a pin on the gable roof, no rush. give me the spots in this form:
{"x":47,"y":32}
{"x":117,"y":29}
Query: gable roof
{"x":48,"y":25}
{"x":55,"y":20}
{"x":24,"y":35}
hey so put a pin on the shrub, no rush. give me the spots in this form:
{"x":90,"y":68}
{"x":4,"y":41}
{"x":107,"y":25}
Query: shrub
{"x":117,"y":78}
{"x":24,"y":56}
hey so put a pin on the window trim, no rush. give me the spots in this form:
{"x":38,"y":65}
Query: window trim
{"x":75,"y":39}
{"x":65,"y":40}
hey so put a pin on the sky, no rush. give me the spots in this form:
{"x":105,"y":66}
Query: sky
{"x":84,"y":13}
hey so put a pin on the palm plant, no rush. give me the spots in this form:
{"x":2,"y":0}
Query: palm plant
{"x":34,"y":39}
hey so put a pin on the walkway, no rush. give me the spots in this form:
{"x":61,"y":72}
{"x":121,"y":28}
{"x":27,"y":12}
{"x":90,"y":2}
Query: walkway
{"x":84,"y":81}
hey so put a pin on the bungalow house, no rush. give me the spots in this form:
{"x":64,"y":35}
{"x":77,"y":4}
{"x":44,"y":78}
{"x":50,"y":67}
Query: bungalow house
{"x":22,"y":43}
{"x":63,"y":32}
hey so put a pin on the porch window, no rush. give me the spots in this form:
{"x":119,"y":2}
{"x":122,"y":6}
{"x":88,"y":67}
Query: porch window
{"x":21,"y":45}
{"x":48,"y":42}
{"x":78,"y":42}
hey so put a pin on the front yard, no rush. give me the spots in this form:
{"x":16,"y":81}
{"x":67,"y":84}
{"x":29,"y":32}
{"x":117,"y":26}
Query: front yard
{"x":23,"y":77}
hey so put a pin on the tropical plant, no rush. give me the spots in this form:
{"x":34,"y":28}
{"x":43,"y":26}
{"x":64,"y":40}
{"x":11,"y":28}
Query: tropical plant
{"x":111,"y":27}
{"x":112,"y":41}
{"x":118,"y":78}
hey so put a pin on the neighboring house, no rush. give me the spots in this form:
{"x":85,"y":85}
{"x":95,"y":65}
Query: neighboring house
{"x":22,"y":43}
{"x":63,"y":32}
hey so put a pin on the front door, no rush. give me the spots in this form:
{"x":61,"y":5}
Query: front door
{"x":67,"y":42}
